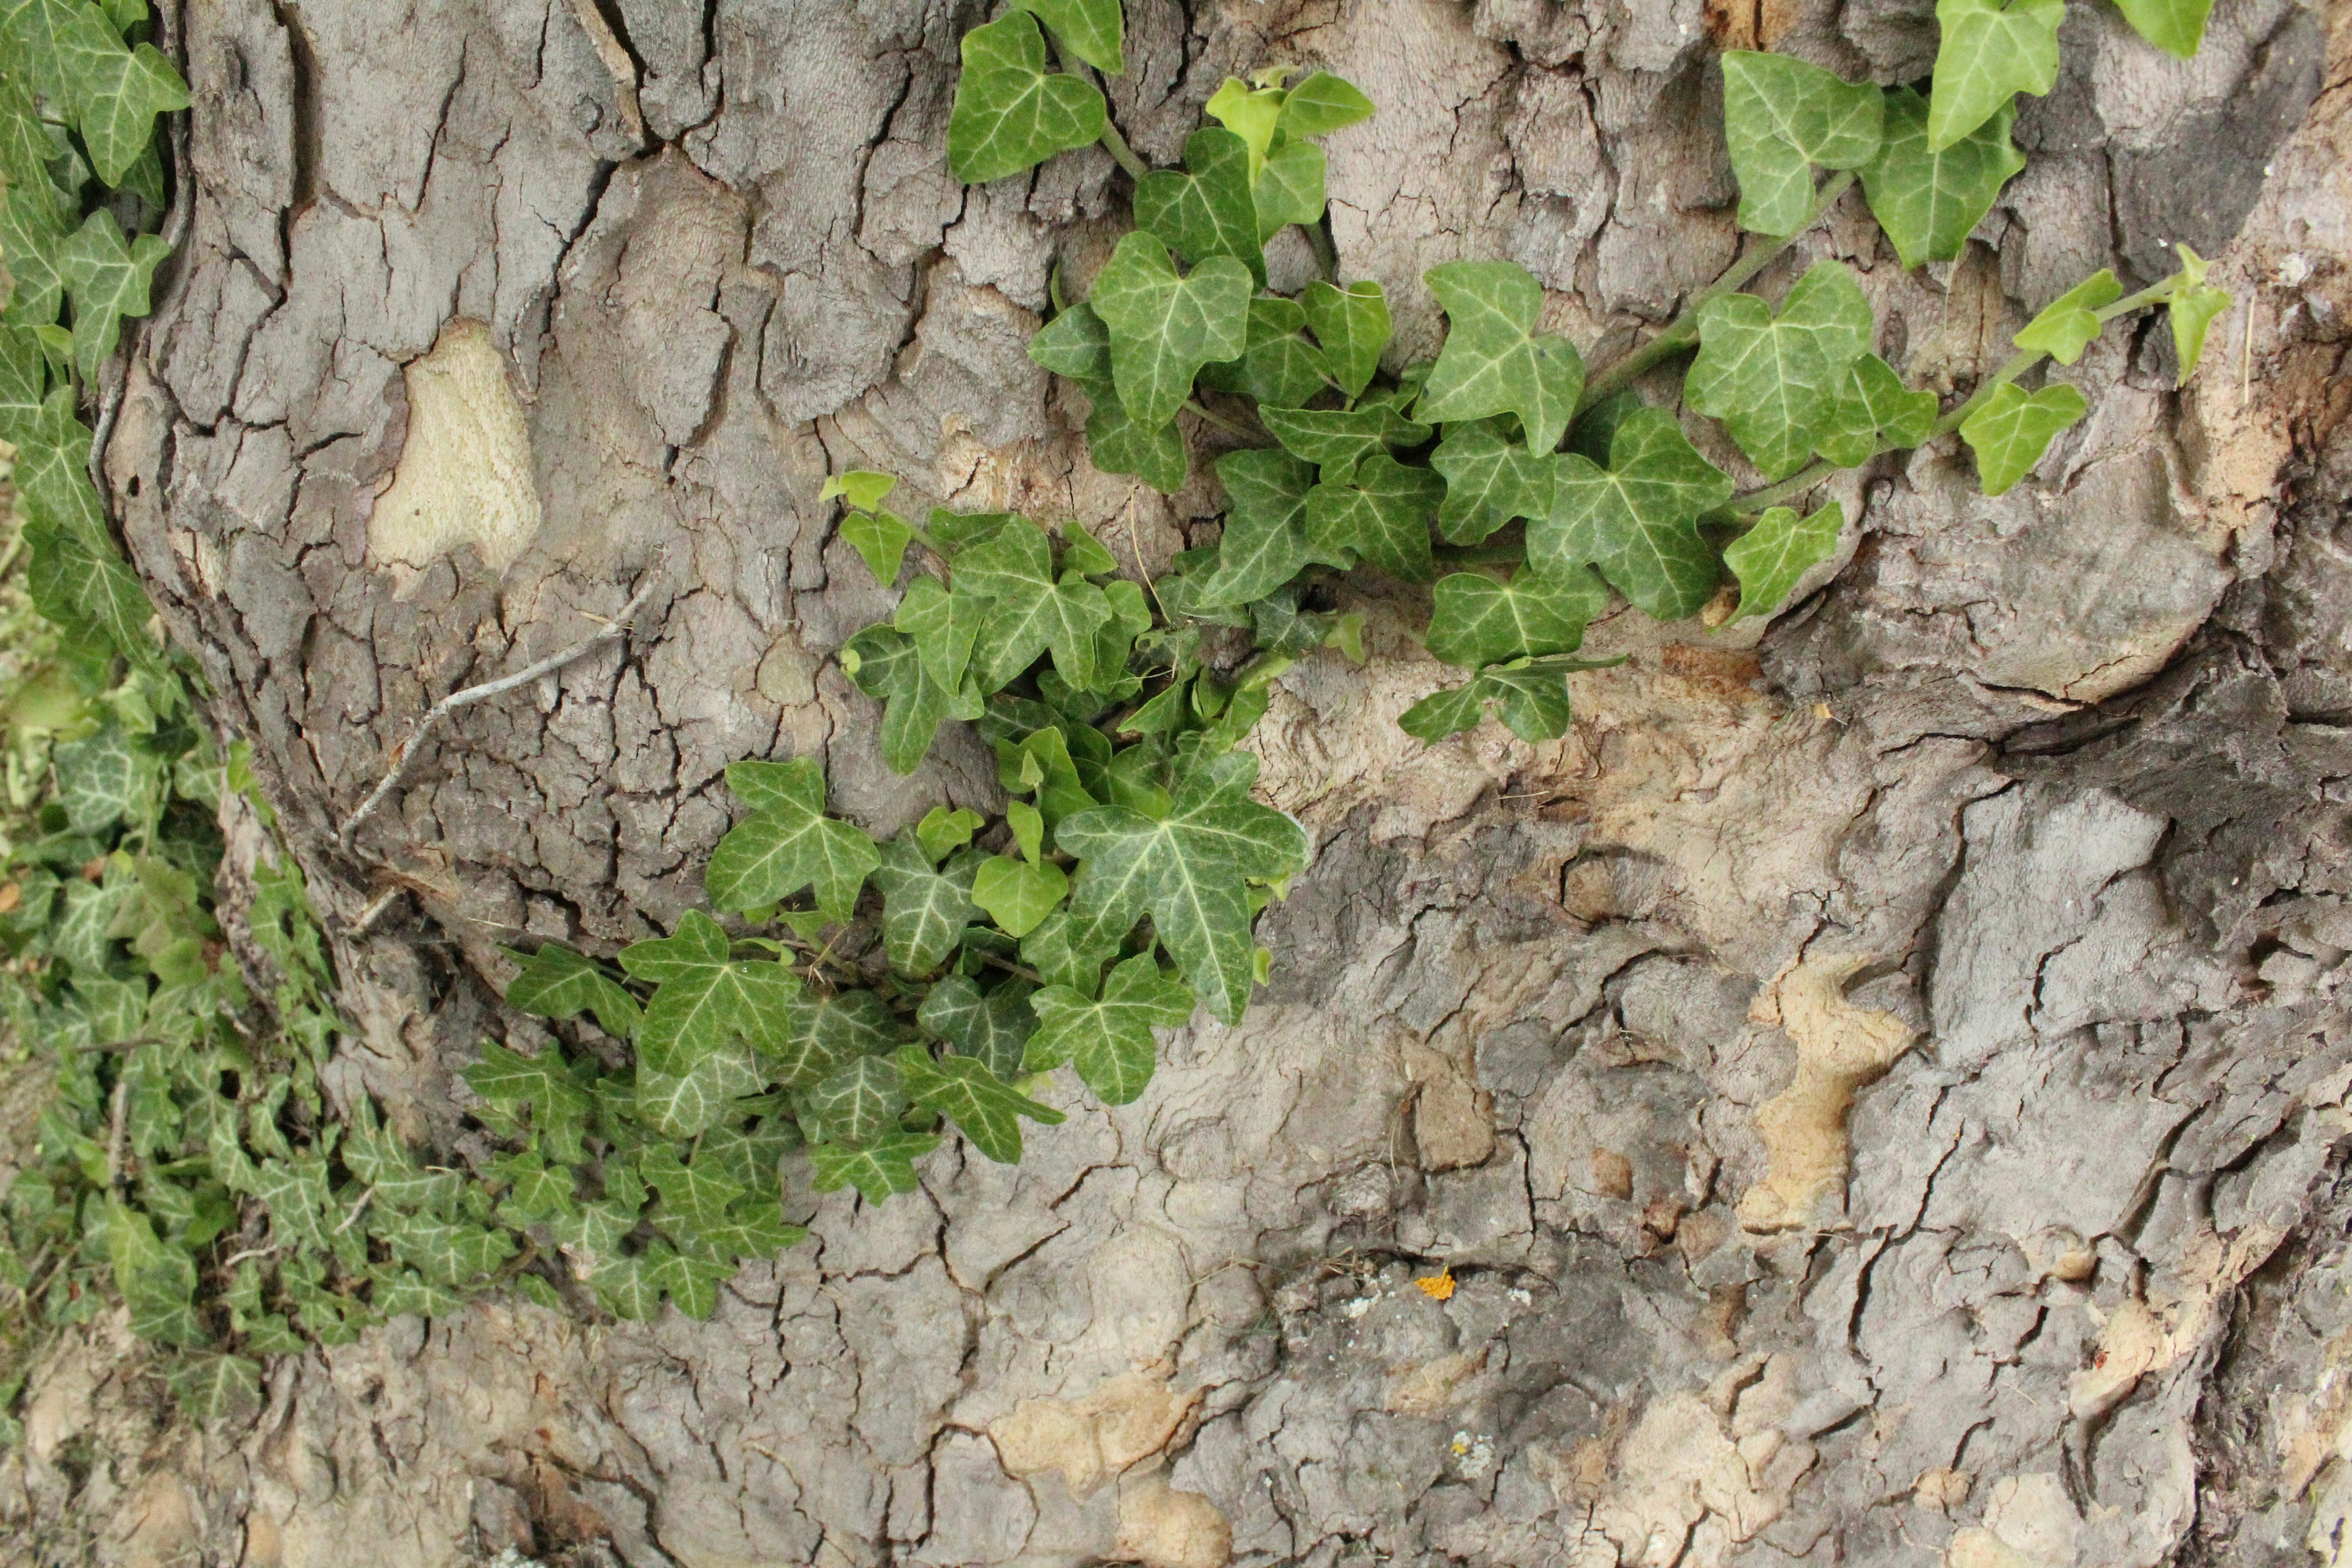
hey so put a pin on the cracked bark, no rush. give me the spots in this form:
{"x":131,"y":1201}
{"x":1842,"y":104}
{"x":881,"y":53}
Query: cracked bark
{"x":2060,"y":778}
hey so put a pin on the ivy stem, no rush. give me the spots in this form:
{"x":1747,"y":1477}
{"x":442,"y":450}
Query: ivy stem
{"x":1229,"y":428}
{"x":1121,"y":153}
{"x":1682,"y":331}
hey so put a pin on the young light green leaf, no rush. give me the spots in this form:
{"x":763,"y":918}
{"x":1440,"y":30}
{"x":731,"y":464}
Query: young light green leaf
{"x":1250,"y":114}
{"x":1353,"y":326}
{"x":1637,"y":520}
{"x":2068,"y":323}
{"x":1322,"y":104}
{"x":1091,"y":29}
{"x":1279,"y":367}
{"x":855,"y":1104}
{"x":1016,"y":894}
{"x":2176,"y":27}
{"x":2011,"y":430}
{"x":1489,"y":480}
{"x":888,"y":665}
{"x":1117,"y":445}
{"x":1479,"y":620}
{"x":984,"y":1109}
{"x":683,"y":1104}
{"x":1163,"y":326}
{"x":1874,"y":410}
{"x":1774,"y":381}
{"x":2192,"y":312}
{"x":1927,"y":200}
{"x":1110,"y":1040}
{"x":880,"y":539}
{"x":1043,"y":757}
{"x":1492,"y":362}
{"x":1339,"y":437}
{"x":1031,"y":611}
{"x":786,"y":844}
{"x":990,"y":1026}
{"x":1782,"y":117}
{"x":1289,"y":188}
{"x":863,"y":488}
{"x":705,"y":999}
{"x":1190,"y":871}
{"x":1380,"y":517}
{"x":1265,"y":544}
{"x":216,"y":1387}
{"x":1990,"y":51}
{"x":1075,"y":343}
{"x":878,"y":1169}
{"x":1028,"y":824}
{"x":1207,"y":209}
{"x":1009,"y":112}
{"x":924,"y":911}
{"x":1770,"y":557}
{"x":557,"y":983}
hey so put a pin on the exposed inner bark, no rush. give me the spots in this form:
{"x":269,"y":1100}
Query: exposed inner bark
{"x":1880,"y":1089}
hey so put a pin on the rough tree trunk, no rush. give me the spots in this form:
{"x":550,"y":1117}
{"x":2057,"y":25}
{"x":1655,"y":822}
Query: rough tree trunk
{"x":1882,"y":1090}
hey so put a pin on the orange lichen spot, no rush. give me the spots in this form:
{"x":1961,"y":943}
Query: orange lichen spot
{"x":1438,"y":1287}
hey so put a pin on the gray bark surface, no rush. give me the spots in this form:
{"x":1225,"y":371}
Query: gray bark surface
{"x":1880,"y":1086}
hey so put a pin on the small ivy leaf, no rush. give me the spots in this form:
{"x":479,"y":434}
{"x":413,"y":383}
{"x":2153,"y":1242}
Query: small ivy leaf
{"x":856,"y":1104}
{"x":212,"y":1387}
{"x":1053,"y":951}
{"x":29,"y":234}
{"x":2068,"y":323}
{"x":683,"y":1104}
{"x":1340,"y":438}
{"x":1322,"y":104}
{"x":2176,"y":27}
{"x":627,"y":1288}
{"x":1031,"y":611}
{"x":887,"y":665}
{"x":924,"y":911}
{"x":1265,"y":544}
{"x":1075,"y":343}
{"x":1091,"y":29}
{"x":943,"y":832}
{"x":1774,"y":381}
{"x":122,"y":92}
{"x":1206,"y":210}
{"x":1479,"y":620}
{"x":1380,"y":517}
{"x":2192,"y":312}
{"x":101,"y":780}
{"x":1289,"y":188}
{"x":1783,"y":117}
{"x":1278,"y":367}
{"x":1353,"y":326}
{"x":1163,"y":326}
{"x":786,"y":844}
{"x":1770,"y":557}
{"x":1016,"y":894}
{"x":1110,"y":1041}
{"x":984,"y":1109}
{"x":705,"y":999}
{"x":557,"y":983}
{"x":943,"y":628}
{"x":690,"y":1283}
{"x":1492,"y":362}
{"x":447,"y":1251}
{"x":1043,"y":762}
{"x":1027,"y":824}
{"x":1117,"y":445}
{"x":108,"y":281}
{"x":990,"y":1026}
{"x":1991,"y":50}
{"x":697,"y":1195}
{"x":534,"y":1191}
{"x":1489,"y":480}
{"x":1443,"y":713}
{"x":1190,"y":871}
{"x":23,"y":380}
{"x":1927,"y":200}
{"x":508,"y":1081}
{"x":1250,"y":114}
{"x":2011,"y":430}
{"x":880,"y":539}
{"x":863,"y":488}
{"x":1533,"y":698}
{"x":878,"y":1169}
{"x":760,"y":1232}
{"x":827,"y":1033}
{"x":1874,"y":410}
{"x":1084,"y":553}
{"x":1637,"y":520}
{"x":1009,"y":112}
{"x":158,"y":1282}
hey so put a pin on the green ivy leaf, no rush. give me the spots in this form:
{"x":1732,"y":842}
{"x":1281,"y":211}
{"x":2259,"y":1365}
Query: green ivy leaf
{"x":1265,"y":544}
{"x":1250,"y":114}
{"x":1339,"y":437}
{"x":1874,"y":410}
{"x":1009,"y":112}
{"x":786,"y":844}
{"x":23,"y":380}
{"x":1774,"y":381}
{"x":1278,"y":367}
{"x":557,"y":983}
{"x":1289,"y":188}
{"x":2068,"y":323}
{"x":1110,"y":1041}
{"x":990,"y":1026}
{"x":535,"y":1189}
{"x":628,"y":1288}
{"x":1322,"y":104}
{"x":446,"y":1251}
{"x":1075,"y":343}
{"x":831,"y":1031}
{"x":1017,"y":894}
{"x":1991,"y":50}
{"x":1782,"y":117}
{"x":1190,"y":871}
{"x":1163,"y":326}
{"x":1044,"y":755}
{"x":1492,"y":362}
{"x":705,"y":1000}
{"x":985,"y":1110}
{"x":879,"y":1170}
{"x":29,"y":235}
{"x":1353,"y":326}
{"x":888,"y":665}
{"x":1480,"y":620}
{"x":1929,"y":200}
{"x":753,"y":1231}
{"x":694,"y":1195}
{"x":2176,"y":27}
{"x":1637,"y":520}
{"x":1033,"y":610}
{"x":856,"y":1104}
{"x":80,"y":61}
{"x":1206,"y":210}
{"x":1531,"y":695}
{"x":863,"y":488}
{"x":1779,"y":549}
{"x":924,"y":910}
{"x":1053,"y":951}
{"x":101,"y":779}
{"x":2191,"y":311}
{"x":507,"y":1082}
{"x":880,"y":539}
{"x":1091,"y":29}
{"x":158,"y":1282}
{"x":943,"y":628}
{"x":943,"y":832}
{"x":1489,"y":482}
{"x":1382,"y":516}
{"x":685,"y":1103}
{"x":216,"y":1387}
{"x":691,"y":1283}
{"x":2011,"y":430}
{"x":1117,"y":445}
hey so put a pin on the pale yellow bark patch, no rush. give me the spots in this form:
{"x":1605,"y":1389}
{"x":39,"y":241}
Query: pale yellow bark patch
{"x":465,"y":473}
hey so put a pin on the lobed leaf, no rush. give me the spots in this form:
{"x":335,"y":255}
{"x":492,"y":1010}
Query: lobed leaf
{"x":1009,"y":112}
{"x":888,"y":665}
{"x":1163,"y":326}
{"x":1278,"y":368}
{"x":1018,"y":894}
{"x":1771,"y":556}
{"x":985,"y":1110}
{"x":1990,"y":51}
{"x":1353,"y":327}
{"x":1874,"y":411}
{"x":1032,"y":610}
{"x":1207,"y":209}
{"x":1289,"y":188}
{"x":1480,"y":620}
{"x":1093,"y":30}
{"x":857,"y":1103}
{"x":786,"y":844}
{"x":557,"y":983}
{"x":1381,"y":516}
{"x":1489,"y":480}
{"x":924,"y":910}
{"x":1265,"y":543}
{"x":2068,"y":323}
{"x":1782,"y":117}
{"x":879,"y":1170}
{"x":1637,"y":520}
{"x":1110,"y":1040}
{"x":1774,"y":380}
{"x":691,"y":1102}
{"x":1929,"y":199}
{"x":2176,"y":27}
{"x":1492,"y":362}
{"x":2011,"y":430}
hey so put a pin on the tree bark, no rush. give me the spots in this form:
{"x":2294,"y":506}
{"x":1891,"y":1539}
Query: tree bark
{"x":1879,"y":1087}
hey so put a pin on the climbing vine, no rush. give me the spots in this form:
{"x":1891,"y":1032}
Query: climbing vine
{"x":856,"y":1001}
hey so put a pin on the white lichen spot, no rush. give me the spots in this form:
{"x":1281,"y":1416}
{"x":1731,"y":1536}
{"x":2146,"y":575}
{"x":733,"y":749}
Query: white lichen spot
{"x":465,"y":473}
{"x":1473,"y":1456}
{"x":1519,"y":1297}
{"x":1359,"y":1306}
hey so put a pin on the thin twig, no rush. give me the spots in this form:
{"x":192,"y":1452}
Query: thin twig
{"x":374,"y":911}
{"x":357,"y":1209}
{"x":406,"y":752}
{"x":116,"y":1128}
